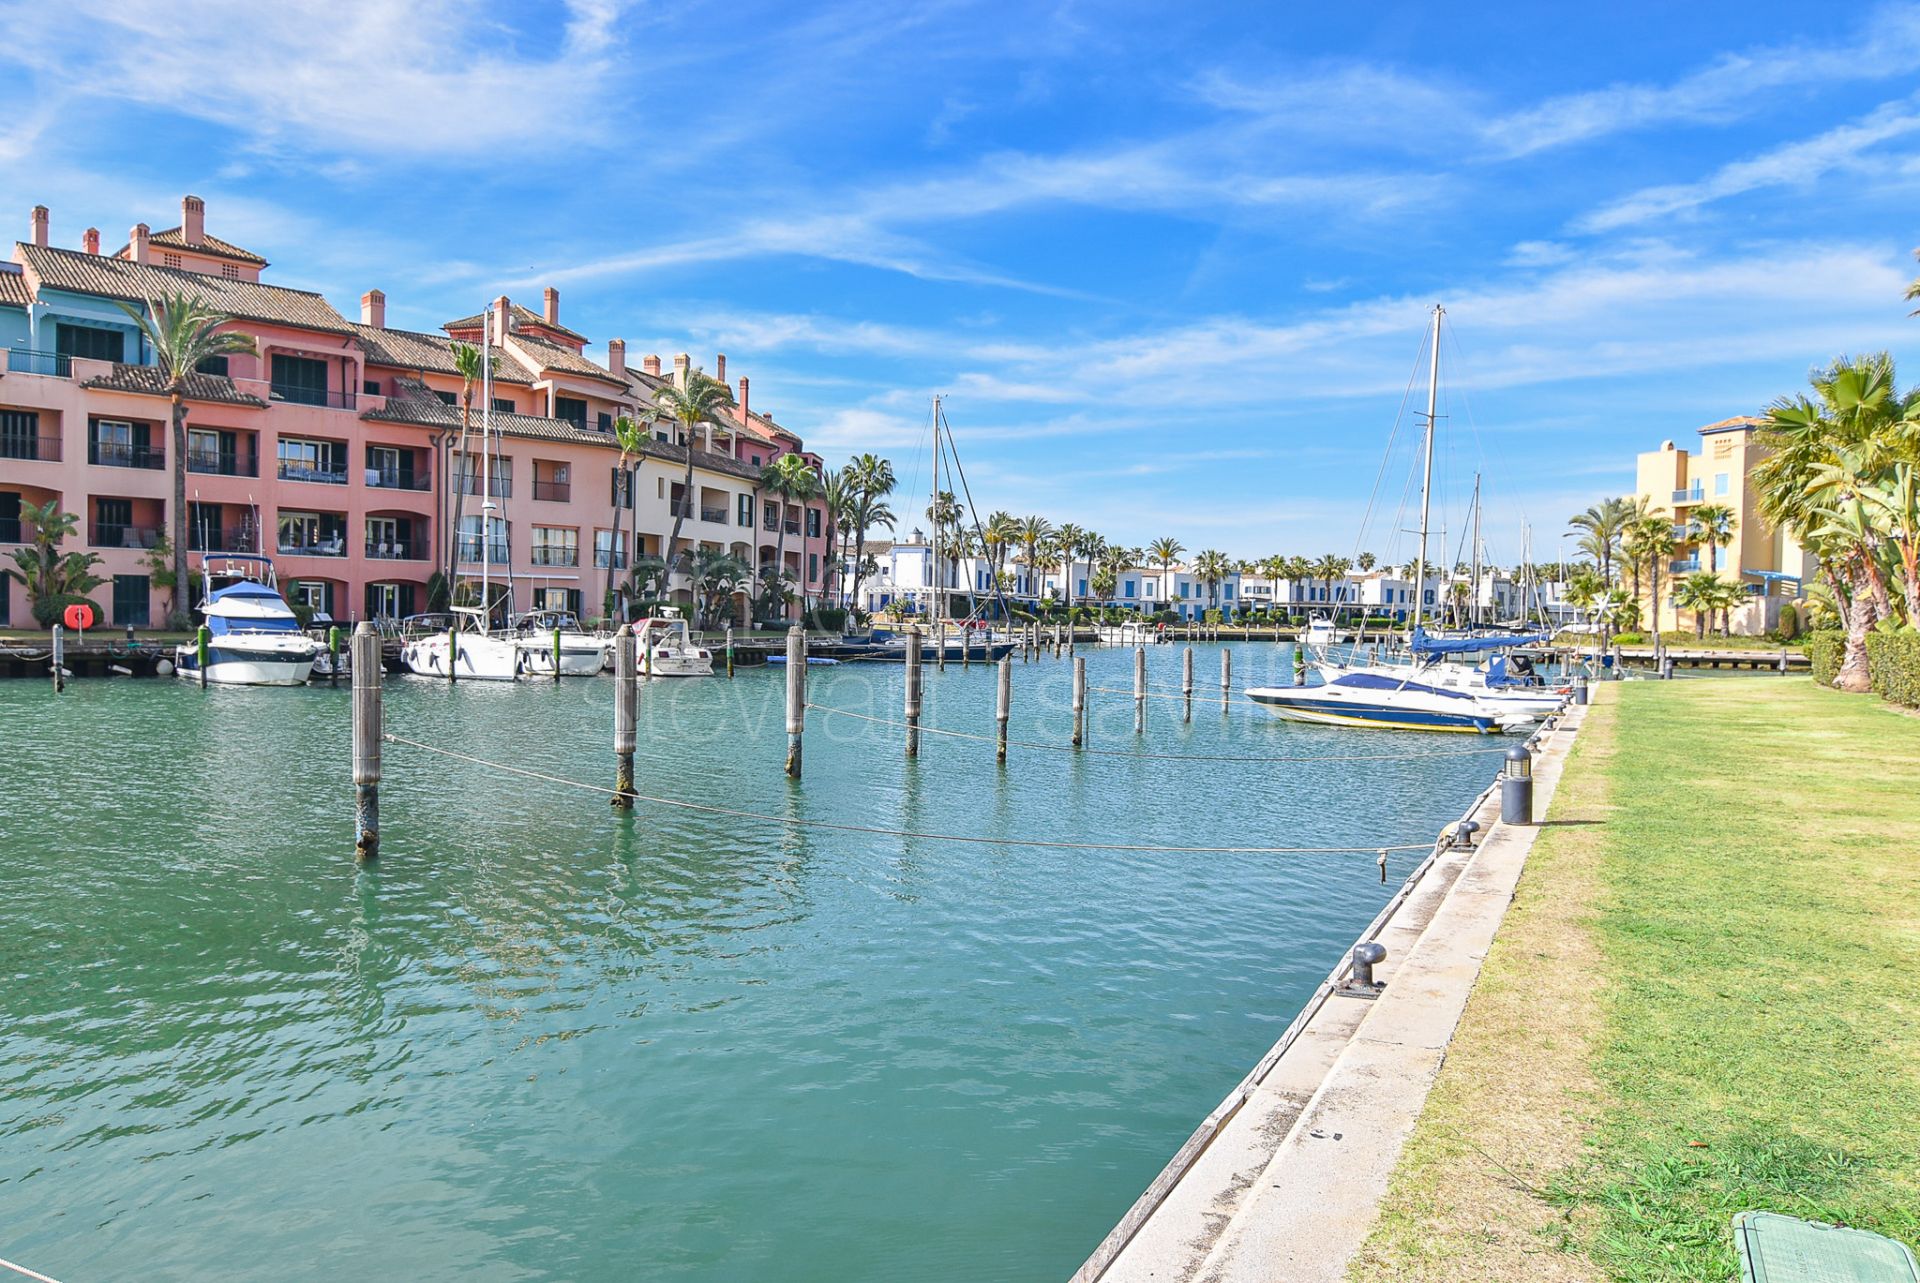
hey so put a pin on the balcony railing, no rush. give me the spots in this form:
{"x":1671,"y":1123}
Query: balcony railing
{"x":554,"y":491}
{"x":222,"y":540}
{"x":718,"y":516}
{"x":396,"y":549}
{"x":793,"y":527}
{"x":327,"y":397}
{"x":1685,"y":566}
{"x":771,"y":524}
{"x":334,"y":545}
{"x":600,"y":559}
{"x":470,"y":550}
{"x":679,"y":508}
{"x":31,"y":449}
{"x":118,"y":454}
{"x":544,"y":555}
{"x":113,"y":534}
{"x":1694,"y":495}
{"x":22,"y":360}
{"x":498,"y":487}
{"x":223,"y":465}
{"x":10,"y":530}
{"x":308,"y":472}
{"x":398,"y":479}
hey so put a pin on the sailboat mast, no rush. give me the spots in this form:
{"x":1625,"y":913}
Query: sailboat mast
{"x":933,"y":517}
{"x":486,"y":471}
{"x":1426,"y":482}
{"x":1473,"y":603}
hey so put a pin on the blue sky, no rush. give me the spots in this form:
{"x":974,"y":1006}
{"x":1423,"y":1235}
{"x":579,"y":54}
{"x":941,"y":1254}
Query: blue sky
{"x":1170,"y":265}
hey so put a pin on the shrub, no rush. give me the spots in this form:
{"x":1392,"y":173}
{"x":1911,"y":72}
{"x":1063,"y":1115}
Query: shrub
{"x":830,"y":619}
{"x":1893,"y":659}
{"x":1789,"y":622}
{"x":1630,"y":639}
{"x":50,"y":610}
{"x":1826,"y":650}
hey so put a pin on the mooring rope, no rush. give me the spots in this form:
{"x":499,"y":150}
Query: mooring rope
{"x":1372,"y":848}
{"x":21,"y":1269}
{"x":1163,"y":757}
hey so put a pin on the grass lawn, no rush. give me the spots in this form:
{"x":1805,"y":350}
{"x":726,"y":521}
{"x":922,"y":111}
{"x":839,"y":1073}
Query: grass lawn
{"x":1703,"y":1000}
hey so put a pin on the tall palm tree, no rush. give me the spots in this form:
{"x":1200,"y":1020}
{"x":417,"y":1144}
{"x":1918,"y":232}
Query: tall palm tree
{"x":788,"y":477}
{"x":1212,"y":567}
{"x":1606,"y":525}
{"x":1165,"y":551}
{"x":836,"y":495}
{"x":1894,"y":506}
{"x":1068,"y":538}
{"x":632,"y":440}
{"x":1033,"y":532}
{"x":1711,"y":525}
{"x":467,"y":362}
{"x":873,"y":482}
{"x":1653,"y":539}
{"x":1699,"y":592}
{"x":184,"y":332}
{"x":700,"y":402}
{"x":1367,"y":561}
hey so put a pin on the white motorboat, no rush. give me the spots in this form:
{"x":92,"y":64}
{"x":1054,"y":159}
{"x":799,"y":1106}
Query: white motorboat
{"x":254,"y":638}
{"x":666,"y":649}
{"x":547,"y":637}
{"x":1363,"y":697}
{"x":466,"y":650}
{"x":1508,"y":686}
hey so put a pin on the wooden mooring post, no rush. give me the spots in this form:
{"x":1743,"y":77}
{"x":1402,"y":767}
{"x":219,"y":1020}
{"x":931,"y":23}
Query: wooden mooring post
{"x":796,"y":697}
{"x":729,"y":650}
{"x":1003,"y":709}
{"x":453,"y":653}
{"x":60,"y":657}
{"x":626,"y":716}
{"x":1226,"y":679}
{"x":1079,"y":701}
{"x":1139,"y":689}
{"x":1186,"y":684}
{"x":367,"y":729}
{"x":940,"y":646}
{"x":913,"y":694}
{"x":556,"y":654}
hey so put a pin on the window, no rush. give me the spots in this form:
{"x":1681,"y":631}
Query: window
{"x":813,"y":567}
{"x":19,"y":434}
{"x":771,"y":517}
{"x":312,"y":534}
{"x":131,"y":595}
{"x":91,"y":342}
{"x":120,"y":444}
{"x":1720,"y":482}
{"x":745,"y":514}
{"x":466,"y":475}
{"x":213,"y":365}
{"x":1129,"y":588}
{"x":572,"y":409}
{"x":756,"y":460}
{"x":1082,"y":589}
{"x":606,"y":421}
{"x":496,"y":549}
{"x":1229,"y":591}
{"x":610,"y":544}
{"x":553,"y":546}
{"x":316,"y":595}
{"x":322,"y":461}
{"x":113,"y":524}
{"x":372,"y":388}
{"x":813,"y":523}
{"x":446,"y":398}
{"x":502,"y":405}
{"x":299,"y":379}
{"x":389,"y":601}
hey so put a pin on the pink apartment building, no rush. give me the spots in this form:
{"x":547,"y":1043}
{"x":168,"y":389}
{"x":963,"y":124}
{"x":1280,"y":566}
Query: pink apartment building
{"x":334,"y":448}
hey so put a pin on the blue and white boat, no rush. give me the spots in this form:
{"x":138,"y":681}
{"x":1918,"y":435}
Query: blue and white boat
{"x":1401,"y":701}
{"x":255,"y":639}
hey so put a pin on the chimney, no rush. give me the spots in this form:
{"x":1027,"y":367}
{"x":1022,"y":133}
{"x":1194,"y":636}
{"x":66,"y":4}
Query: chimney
{"x":193,"y":220}
{"x":137,"y":243}
{"x":617,"y":357}
{"x":373,"y":309}
{"x":743,"y":398}
{"x":651,"y":364}
{"x":681,"y":364}
{"x":40,"y":225}
{"x":92,"y":240}
{"x":502,"y":314}
{"x":720,"y":368}
{"x":551,"y":297}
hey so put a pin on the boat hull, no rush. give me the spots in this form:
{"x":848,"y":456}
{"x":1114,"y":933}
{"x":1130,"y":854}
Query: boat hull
{"x":1300,"y":704}
{"x":243,"y":666}
{"x":480,"y":659}
{"x":575,"y":660}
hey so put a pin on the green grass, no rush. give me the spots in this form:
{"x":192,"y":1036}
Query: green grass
{"x":1745,"y":906}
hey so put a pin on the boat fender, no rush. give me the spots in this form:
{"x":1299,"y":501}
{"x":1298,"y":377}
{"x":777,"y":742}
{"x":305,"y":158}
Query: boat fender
{"x":164,"y":668}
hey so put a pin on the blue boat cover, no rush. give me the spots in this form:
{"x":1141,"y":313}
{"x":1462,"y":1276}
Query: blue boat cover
{"x":1377,"y":682}
{"x":1425,"y":645}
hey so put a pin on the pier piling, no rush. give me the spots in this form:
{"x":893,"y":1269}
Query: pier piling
{"x":940,"y":646}
{"x":1003,"y":709}
{"x":1139,"y":690}
{"x":913,"y":694}
{"x":333,"y":655}
{"x":1186,"y":684}
{"x":729,"y":650}
{"x":453,"y":654}
{"x":203,"y":648}
{"x":796,"y":696}
{"x":626,"y":710}
{"x":1226,"y":680}
{"x":60,"y":660}
{"x":556,"y":654}
{"x":367,"y":728}
{"x":1079,"y":701}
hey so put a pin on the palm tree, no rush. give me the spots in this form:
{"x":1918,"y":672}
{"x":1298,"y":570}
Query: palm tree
{"x":1367,"y":561}
{"x":1165,"y":550}
{"x":632,"y":439}
{"x":1212,"y":567}
{"x":701,"y":401}
{"x":466,"y":360}
{"x":787,"y":477}
{"x":1034,"y":532}
{"x":1606,"y":525}
{"x":1894,"y":506}
{"x":1068,"y":538}
{"x":1711,"y":525}
{"x":717,"y":574}
{"x":873,"y":482}
{"x":49,"y":575}
{"x":836,"y":495}
{"x":1700,"y":593}
{"x":184,"y":333}
{"x":1654,"y":541}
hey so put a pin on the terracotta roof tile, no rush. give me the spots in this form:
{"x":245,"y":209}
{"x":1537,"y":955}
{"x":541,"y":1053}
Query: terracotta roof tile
{"x":543,"y":356}
{"x":408,"y":350}
{"x":176,"y":238}
{"x":525,"y":315}
{"x":14,"y":291}
{"x":106,"y":277}
{"x":149,"y":381}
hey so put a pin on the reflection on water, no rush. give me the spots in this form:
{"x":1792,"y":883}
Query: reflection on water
{"x":541,"y":1040}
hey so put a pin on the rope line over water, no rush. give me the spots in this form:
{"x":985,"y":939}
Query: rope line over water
{"x":21,"y":1269}
{"x":1373,"y":848}
{"x":1170,"y":757}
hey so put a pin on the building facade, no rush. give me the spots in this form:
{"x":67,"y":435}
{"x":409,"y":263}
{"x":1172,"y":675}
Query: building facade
{"x":345,"y":450}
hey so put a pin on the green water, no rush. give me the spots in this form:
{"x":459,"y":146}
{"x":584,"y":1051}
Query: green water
{"x":537,"y":1041}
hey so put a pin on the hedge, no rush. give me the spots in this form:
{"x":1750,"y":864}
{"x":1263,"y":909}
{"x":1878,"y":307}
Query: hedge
{"x":1893,"y":660}
{"x":1827,"y":650}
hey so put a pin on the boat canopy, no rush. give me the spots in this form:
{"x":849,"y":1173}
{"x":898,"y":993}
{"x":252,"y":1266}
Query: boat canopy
{"x":1425,"y":645}
{"x":1381,"y":682}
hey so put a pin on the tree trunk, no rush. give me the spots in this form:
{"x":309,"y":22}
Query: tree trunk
{"x":1854,"y":674}
{"x":459,"y":496}
{"x":182,"y":588}
{"x":667,"y":554}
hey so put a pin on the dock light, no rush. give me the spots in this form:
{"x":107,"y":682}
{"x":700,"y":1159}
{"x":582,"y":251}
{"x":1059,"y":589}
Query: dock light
{"x":1580,"y":693}
{"x":1516,"y":787}
{"x":1361,"y":984}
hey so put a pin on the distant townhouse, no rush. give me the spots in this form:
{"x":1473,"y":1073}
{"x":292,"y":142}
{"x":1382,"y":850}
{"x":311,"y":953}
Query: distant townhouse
{"x":336,"y":447}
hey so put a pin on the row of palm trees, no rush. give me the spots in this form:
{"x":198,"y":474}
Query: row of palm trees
{"x":1629,"y":547}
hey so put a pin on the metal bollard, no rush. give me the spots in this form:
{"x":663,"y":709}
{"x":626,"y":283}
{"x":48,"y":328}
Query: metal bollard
{"x":367,"y":730}
{"x":913,"y":694}
{"x":1516,"y":787}
{"x":796,"y":697}
{"x":1003,"y":708}
{"x":1139,"y":689}
{"x":1079,"y":701}
{"x":1186,"y":683}
{"x":626,"y":710}
{"x":1360,"y":982}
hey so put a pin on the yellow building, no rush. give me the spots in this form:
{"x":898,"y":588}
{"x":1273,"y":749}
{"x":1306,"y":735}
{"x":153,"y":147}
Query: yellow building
{"x":1768,"y":562}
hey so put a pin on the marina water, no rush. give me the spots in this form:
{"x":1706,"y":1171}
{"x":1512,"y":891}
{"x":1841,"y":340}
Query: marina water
{"x":537,"y":1040}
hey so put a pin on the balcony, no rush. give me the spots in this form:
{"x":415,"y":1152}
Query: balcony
{"x":600,"y":559}
{"x":553,"y":491}
{"x":222,"y":540}
{"x":1695,"y":495}
{"x":22,"y":360}
{"x":497,"y":486}
{"x":292,"y":394}
{"x":470,"y":551}
{"x":326,"y":546}
{"x":216,"y":464}
{"x":554,"y":555}
{"x":31,"y":449}
{"x":718,"y":516}
{"x":310,"y":472}
{"x":396,"y":550}
{"x":1684,"y":566}
{"x":112,"y":534}
{"x":793,"y":527}
{"x":397,"y":479}
{"x":119,"y":454}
